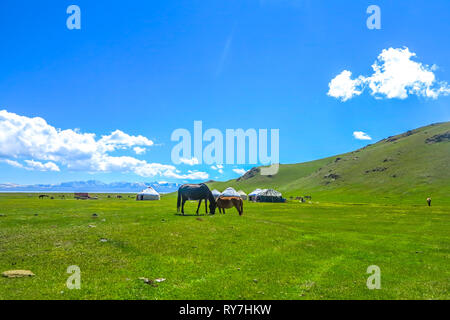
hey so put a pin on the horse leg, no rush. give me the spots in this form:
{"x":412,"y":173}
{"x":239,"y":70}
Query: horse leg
{"x":206,"y":206}
{"x":182,"y":206}
{"x":199,"y":203}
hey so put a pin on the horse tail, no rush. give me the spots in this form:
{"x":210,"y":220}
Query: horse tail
{"x":242,"y":207}
{"x":179,"y":201}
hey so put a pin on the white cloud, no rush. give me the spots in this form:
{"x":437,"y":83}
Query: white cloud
{"x":32,"y":165}
{"x":139,"y":150}
{"x":343,"y":87}
{"x":12,"y":163}
{"x":361,"y":135}
{"x":225,"y":53}
{"x":122,"y":140}
{"x":190,"y":162}
{"x":395,"y":75}
{"x":39,"y":166}
{"x":193,"y":175}
{"x":218,"y":167}
{"x":240,"y":171}
{"x":33,"y":138}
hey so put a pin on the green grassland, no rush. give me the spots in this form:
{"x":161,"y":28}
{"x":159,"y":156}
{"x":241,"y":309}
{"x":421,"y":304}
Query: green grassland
{"x":274,"y":251}
{"x":406,"y":168}
{"x":368,"y":208}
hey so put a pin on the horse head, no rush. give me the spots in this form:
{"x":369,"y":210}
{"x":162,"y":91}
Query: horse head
{"x":212,"y":207}
{"x":212,"y":203}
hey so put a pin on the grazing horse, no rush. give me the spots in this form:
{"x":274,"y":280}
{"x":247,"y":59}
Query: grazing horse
{"x":429,"y":202}
{"x":230,"y":202}
{"x":42,"y":196}
{"x":196,"y":192}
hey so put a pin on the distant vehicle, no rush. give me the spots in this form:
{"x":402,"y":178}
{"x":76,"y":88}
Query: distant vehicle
{"x":82,"y":196}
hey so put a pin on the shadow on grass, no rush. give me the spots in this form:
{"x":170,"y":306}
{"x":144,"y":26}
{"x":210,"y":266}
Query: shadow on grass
{"x":193,"y":215}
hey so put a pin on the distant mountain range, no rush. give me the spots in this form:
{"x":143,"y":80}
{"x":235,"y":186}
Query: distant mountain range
{"x":91,"y":186}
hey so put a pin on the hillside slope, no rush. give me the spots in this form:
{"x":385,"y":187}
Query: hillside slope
{"x":405,"y":168}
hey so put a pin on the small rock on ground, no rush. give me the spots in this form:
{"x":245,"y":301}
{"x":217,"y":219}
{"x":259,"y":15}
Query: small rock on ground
{"x":148,"y":281}
{"x":18,"y":274}
{"x":152,"y":282}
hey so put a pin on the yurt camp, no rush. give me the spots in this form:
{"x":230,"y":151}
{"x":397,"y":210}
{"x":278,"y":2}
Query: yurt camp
{"x":269,"y":195}
{"x":230,"y":192}
{"x":216,"y":193}
{"x":148,"y":194}
{"x":242,"y":194}
{"x":252,"y":196}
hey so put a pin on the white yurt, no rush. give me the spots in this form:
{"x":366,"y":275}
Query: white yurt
{"x":148,"y":194}
{"x":242,"y":194}
{"x":252,"y":195}
{"x":230,"y":192}
{"x":270,"y":195}
{"x":216,"y":193}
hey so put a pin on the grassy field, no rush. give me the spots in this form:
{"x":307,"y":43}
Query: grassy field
{"x":274,"y":251}
{"x":406,"y":168}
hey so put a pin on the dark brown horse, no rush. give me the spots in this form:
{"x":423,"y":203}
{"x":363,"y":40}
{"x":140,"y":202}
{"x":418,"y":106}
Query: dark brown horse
{"x":230,"y":202}
{"x":196,"y":192}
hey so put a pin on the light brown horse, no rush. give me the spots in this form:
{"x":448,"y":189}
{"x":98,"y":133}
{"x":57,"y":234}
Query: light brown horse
{"x":230,"y":202}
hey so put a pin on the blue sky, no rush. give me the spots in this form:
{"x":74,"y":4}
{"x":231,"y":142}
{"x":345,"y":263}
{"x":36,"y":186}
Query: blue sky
{"x":147,"y":68}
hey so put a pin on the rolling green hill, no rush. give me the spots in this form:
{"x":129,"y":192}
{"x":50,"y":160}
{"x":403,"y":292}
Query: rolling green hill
{"x":405,"y":168}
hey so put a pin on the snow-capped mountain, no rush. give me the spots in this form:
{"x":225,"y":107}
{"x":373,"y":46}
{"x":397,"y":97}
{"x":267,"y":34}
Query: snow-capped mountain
{"x":91,"y":186}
